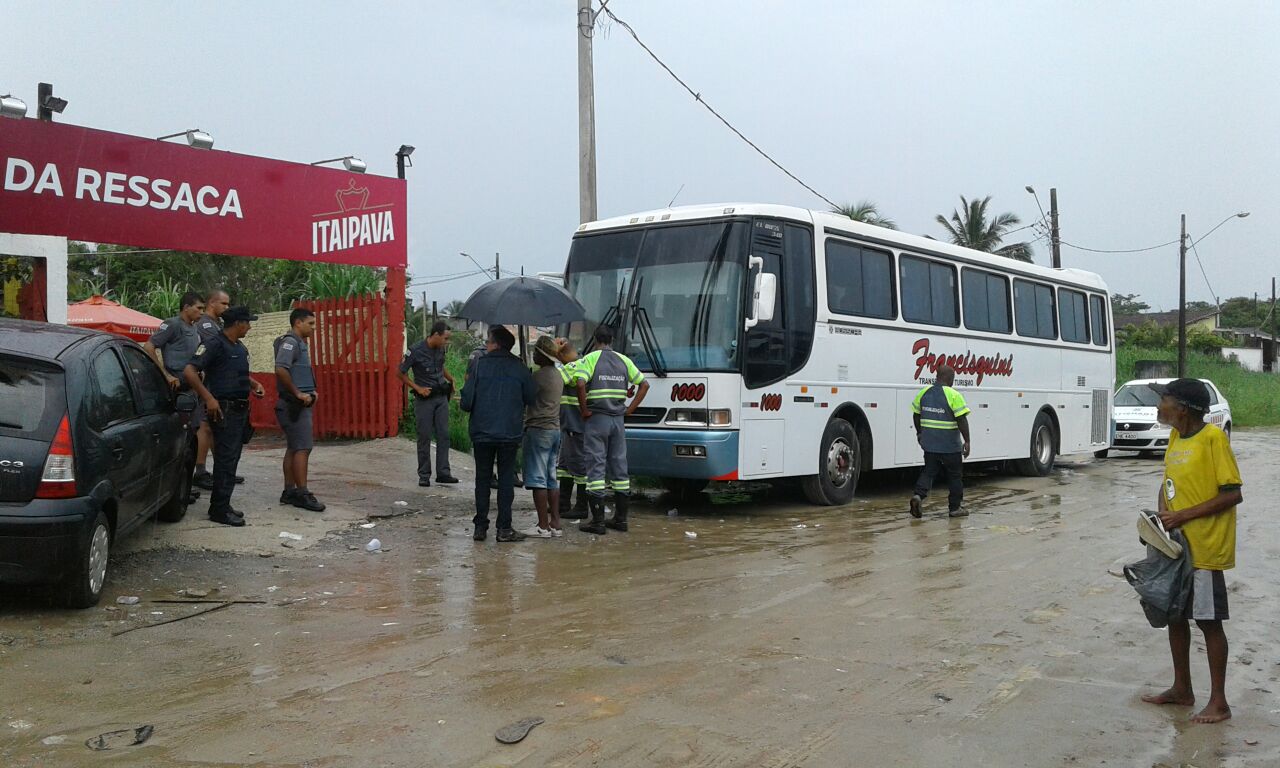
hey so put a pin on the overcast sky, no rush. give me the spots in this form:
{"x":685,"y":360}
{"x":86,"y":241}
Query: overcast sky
{"x":1136,"y":112}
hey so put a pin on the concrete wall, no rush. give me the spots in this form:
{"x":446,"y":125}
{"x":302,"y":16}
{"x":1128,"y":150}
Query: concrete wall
{"x":1249,"y":358}
{"x":54,"y":252}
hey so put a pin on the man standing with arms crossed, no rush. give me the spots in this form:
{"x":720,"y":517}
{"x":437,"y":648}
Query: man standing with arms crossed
{"x":431,"y":385}
{"x":603,"y":406}
{"x":209,"y":326}
{"x":942,"y":428}
{"x":296,"y":388}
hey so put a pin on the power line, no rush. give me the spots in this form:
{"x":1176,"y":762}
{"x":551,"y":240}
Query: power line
{"x":1203,"y":274}
{"x":698,"y":98}
{"x":1127,"y":250}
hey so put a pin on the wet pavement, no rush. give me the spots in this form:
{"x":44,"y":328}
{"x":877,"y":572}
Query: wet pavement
{"x":782,"y":635}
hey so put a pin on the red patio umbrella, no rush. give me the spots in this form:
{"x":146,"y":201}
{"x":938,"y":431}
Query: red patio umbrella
{"x":102,"y":314}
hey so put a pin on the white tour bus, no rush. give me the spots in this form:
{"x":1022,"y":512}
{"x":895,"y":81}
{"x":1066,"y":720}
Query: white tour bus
{"x":782,"y":342}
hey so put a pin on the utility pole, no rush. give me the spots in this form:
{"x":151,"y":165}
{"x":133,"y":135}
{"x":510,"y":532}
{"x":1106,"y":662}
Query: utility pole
{"x":1273,"y":326}
{"x":424,"y":314}
{"x":1182,"y":300}
{"x":43,"y":94}
{"x":497,"y":267}
{"x":586,"y":114}
{"x":1053,"y":228}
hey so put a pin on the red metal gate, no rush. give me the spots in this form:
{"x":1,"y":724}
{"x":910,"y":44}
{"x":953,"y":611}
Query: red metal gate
{"x":355,"y":352}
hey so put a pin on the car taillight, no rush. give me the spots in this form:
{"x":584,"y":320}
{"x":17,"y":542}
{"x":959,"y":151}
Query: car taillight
{"x":59,"y":478}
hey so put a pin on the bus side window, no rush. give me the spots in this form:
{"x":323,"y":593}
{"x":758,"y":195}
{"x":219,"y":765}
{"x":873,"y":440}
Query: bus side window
{"x":1098,"y":318}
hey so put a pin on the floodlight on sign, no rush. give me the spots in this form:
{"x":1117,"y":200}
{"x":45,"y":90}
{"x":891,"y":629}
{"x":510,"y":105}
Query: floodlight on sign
{"x":350,"y":162}
{"x":12,"y":106}
{"x":195,"y":137}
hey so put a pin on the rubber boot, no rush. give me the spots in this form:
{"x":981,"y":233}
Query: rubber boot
{"x":619,"y":520}
{"x":596,"y":524}
{"x":568,"y":510}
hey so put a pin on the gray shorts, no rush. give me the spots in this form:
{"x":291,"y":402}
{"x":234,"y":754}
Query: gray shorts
{"x":1208,"y":595}
{"x":297,"y":432}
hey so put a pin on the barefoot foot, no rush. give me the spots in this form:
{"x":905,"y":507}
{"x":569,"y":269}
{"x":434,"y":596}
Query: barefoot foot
{"x":1212,"y":713}
{"x":1171,"y":696}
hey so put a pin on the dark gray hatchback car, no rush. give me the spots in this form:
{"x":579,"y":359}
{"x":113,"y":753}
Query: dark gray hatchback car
{"x":92,"y":444}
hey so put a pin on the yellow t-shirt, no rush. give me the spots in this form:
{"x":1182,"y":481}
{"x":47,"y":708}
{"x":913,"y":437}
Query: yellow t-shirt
{"x":1197,"y":469}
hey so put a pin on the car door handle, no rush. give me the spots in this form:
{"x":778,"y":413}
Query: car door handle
{"x":155,"y":436}
{"x":117,"y":450}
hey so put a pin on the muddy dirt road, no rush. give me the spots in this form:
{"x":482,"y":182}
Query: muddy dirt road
{"x":782,"y":635}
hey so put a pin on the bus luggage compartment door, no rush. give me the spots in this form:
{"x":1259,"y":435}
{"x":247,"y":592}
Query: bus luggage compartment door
{"x":762,"y":442}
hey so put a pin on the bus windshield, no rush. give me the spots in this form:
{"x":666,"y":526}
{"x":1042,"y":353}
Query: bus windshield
{"x":686,"y":280}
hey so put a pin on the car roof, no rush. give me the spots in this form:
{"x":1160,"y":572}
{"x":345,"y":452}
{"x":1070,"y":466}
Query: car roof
{"x":37,"y":339}
{"x":1157,"y":381}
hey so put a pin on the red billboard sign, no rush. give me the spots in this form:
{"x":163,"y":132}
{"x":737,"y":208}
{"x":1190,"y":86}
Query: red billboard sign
{"x":86,"y":184}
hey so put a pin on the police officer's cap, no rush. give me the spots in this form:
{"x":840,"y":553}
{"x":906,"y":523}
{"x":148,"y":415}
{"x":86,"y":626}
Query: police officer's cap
{"x":238,"y":314}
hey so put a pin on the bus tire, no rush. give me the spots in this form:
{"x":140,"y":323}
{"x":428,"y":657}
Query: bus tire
{"x":1044,"y":442}
{"x":839,"y":466}
{"x":684,"y":490}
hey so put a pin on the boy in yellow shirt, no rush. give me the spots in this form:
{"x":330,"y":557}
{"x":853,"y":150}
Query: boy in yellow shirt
{"x":1200,"y":492}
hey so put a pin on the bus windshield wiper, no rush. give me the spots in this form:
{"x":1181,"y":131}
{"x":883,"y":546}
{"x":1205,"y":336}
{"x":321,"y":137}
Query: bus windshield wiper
{"x":648,"y":339}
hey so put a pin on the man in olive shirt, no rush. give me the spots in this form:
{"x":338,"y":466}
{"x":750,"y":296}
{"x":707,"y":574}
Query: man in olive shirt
{"x":542,"y":439}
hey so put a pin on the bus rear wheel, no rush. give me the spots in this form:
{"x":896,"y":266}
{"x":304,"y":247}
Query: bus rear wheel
{"x":1044,"y":448}
{"x":839,"y":466}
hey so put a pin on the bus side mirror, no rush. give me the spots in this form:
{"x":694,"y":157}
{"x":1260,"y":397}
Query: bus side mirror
{"x":764,"y":295}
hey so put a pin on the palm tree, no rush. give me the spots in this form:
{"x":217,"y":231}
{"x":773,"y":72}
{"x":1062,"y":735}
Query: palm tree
{"x":866,"y":212}
{"x":453,"y":308}
{"x":972,"y":229}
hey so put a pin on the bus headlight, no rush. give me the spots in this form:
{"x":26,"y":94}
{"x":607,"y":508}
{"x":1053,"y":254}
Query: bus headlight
{"x":690,"y":417}
{"x":720,"y":417}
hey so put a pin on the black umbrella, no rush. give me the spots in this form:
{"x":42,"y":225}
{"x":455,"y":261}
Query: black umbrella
{"x":522,"y":301}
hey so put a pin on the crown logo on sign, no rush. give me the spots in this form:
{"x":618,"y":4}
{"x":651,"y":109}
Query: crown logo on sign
{"x":352,"y":198}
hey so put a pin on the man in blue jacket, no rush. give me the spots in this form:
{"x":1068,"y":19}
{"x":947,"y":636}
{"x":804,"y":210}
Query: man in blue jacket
{"x":497,"y":391}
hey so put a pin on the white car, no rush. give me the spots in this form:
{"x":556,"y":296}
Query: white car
{"x":1133,"y":417}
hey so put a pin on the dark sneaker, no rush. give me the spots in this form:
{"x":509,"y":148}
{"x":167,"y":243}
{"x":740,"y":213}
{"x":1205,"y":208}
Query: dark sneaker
{"x":239,"y":480}
{"x":573,"y":514}
{"x":288,"y":495}
{"x":480,"y":534}
{"x":307,"y":500}
{"x":203,"y":480}
{"x":231,"y":518}
{"x":915,"y":507}
{"x":958,"y":512}
{"x":596,"y":528}
{"x":447,"y":479}
{"x":511,"y":536}
{"x":424,"y":482}
{"x":615,"y":524}
{"x":193,"y":497}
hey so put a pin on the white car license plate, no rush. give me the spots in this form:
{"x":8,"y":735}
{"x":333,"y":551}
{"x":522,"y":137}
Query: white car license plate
{"x":1126,"y":435}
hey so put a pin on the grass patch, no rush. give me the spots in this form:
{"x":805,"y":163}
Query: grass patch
{"x":1254,"y":397}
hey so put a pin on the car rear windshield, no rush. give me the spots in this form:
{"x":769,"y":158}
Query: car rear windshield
{"x":1137,"y":396}
{"x":28,"y":390}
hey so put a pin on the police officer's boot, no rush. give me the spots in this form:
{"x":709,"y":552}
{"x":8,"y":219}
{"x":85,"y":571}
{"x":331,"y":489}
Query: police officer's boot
{"x":619,"y":520}
{"x":568,"y":510}
{"x":596,"y":523}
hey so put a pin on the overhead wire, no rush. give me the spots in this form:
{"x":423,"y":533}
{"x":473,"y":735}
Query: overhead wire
{"x":604,"y":8}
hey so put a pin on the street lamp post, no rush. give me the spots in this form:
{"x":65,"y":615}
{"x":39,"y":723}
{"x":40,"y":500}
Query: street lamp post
{"x":402,"y":159}
{"x":1182,"y":285}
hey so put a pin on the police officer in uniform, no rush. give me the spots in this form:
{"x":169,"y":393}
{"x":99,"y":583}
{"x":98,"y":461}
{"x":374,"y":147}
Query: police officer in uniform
{"x":296,"y":388}
{"x":224,"y":361}
{"x":602,"y":404}
{"x":175,"y":343}
{"x":571,"y":467}
{"x":209,"y":326}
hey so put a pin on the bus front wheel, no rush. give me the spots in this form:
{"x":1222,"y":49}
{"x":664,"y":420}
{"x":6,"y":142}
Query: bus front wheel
{"x":1044,"y":448}
{"x":839,"y":465}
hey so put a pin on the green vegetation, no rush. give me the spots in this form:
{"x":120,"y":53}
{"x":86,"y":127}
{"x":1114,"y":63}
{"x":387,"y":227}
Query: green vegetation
{"x":969,"y":227}
{"x":1254,"y":397}
{"x":866,"y":212}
